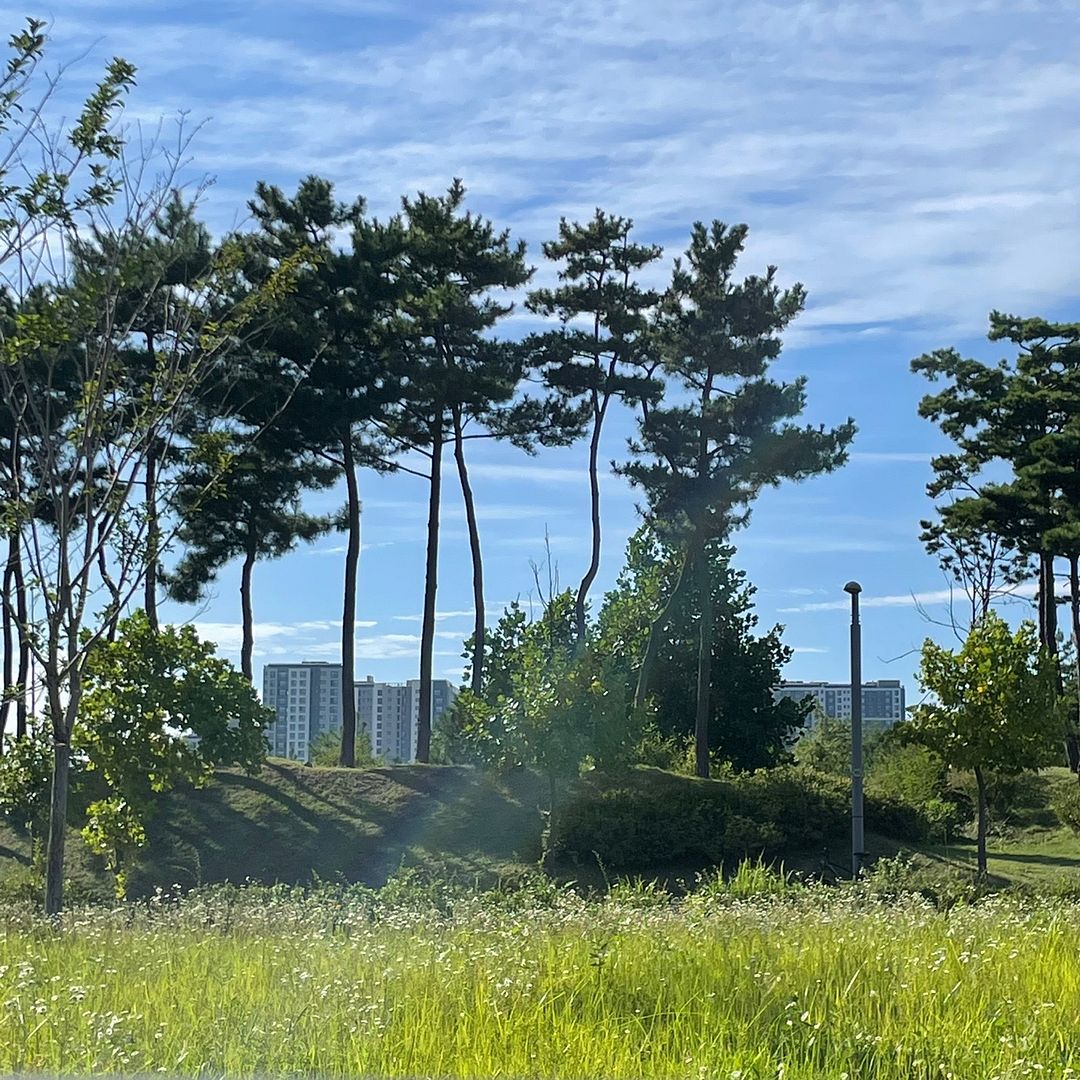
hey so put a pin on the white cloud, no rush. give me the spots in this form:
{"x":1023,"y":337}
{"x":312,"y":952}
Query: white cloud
{"x":890,"y":457}
{"x":798,"y":649}
{"x":927,"y":598}
{"x":820,"y":544}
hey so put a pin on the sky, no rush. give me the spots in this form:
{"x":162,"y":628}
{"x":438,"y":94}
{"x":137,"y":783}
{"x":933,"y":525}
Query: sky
{"x":913,"y":163}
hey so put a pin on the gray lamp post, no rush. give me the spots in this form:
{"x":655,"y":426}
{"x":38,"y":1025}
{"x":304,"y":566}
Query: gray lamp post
{"x":857,"y":843}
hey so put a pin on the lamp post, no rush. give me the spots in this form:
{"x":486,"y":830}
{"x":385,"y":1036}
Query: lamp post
{"x":857,"y":853}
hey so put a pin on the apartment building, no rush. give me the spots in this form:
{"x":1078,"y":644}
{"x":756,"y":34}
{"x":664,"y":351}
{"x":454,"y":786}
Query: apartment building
{"x":389,"y":713}
{"x":306,"y":698}
{"x":883,"y":701}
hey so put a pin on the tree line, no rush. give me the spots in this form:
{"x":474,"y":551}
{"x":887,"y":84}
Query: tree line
{"x":171,"y":397}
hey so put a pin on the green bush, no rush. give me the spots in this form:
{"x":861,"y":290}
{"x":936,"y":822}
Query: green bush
{"x":1066,"y":804}
{"x":657,"y":818}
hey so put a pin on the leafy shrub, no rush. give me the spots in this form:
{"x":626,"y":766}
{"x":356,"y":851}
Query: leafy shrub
{"x":668,"y":820}
{"x":895,"y":818}
{"x":1066,"y":804}
{"x":1014,"y":801}
{"x":744,"y":834}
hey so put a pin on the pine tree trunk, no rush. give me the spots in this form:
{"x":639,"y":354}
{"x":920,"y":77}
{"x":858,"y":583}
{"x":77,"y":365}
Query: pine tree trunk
{"x":704,"y":672}
{"x":652,"y":645}
{"x":22,"y":680}
{"x":348,"y":617}
{"x":476,"y":680}
{"x":248,"y":643}
{"x":7,"y":604}
{"x":153,"y":539}
{"x":1072,"y":736}
{"x":594,"y":517}
{"x":153,"y":527}
{"x":980,"y":781}
{"x":431,"y":584}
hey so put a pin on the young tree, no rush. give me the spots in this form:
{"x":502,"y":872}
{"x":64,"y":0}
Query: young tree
{"x":603,"y":352}
{"x":994,"y":706}
{"x":546,"y":704}
{"x":72,"y":499}
{"x":159,"y":709}
{"x":702,"y":462}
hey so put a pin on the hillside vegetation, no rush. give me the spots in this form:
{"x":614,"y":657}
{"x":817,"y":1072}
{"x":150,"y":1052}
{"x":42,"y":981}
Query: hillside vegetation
{"x":297,"y":825}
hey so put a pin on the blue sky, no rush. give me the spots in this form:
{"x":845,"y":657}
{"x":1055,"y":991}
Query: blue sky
{"x":913,"y":163}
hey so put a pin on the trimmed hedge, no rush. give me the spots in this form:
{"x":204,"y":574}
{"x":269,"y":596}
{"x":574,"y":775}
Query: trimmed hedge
{"x":656,"y":817}
{"x":651,"y":817}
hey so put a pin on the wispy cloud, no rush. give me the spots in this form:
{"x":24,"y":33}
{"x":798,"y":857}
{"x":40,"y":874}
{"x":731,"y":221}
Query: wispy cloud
{"x":821,"y":544}
{"x":798,"y":649}
{"x":926,"y":598}
{"x":890,"y":457}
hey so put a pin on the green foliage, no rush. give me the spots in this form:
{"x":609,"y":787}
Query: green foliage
{"x":325,"y":750}
{"x":25,"y":767}
{"x":669,"y":820}
{"x":159,"y":709}
{"x":1066,"y":804}
{"x":995,"y":705}
{"x":826,"y":746}
{"x":746,"y":726}
{"x":545,"y":704}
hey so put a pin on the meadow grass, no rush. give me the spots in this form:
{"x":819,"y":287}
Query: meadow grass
{"x":802,"y":983}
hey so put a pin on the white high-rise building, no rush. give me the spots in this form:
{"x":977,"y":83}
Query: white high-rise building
{"x":882,"y":701}
{"x":389,"y":713}
{"x":307,"y":700}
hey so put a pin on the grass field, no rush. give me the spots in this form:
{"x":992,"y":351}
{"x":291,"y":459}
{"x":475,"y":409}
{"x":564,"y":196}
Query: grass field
{"x":818,"y":983}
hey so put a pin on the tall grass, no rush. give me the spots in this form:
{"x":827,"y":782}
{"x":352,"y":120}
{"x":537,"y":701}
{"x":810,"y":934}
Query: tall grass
{"x":801,"y":983}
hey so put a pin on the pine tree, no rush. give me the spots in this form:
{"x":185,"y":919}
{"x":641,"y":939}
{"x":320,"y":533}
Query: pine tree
{"x":456,"y":272}
{"x":702,"y":463}
{"x":602,"y":353}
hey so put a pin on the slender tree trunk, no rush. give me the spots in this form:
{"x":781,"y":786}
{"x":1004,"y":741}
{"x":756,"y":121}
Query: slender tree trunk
{"x":348,"y":617}
{"x":153,"y":528}
{"x":54,"y":859}
{"x":1072,"y":735}
{"x":594,"y":517}
{"x":980,"y":781}
{"x":153,"y":539}
{"x":704,"y":672}
{"x":431,"y":584}
{"x":22,"y":615}
{"x":7,"y":600}
{"x":63,"y":714}
{"x":479,"y":623}
{"x":652,"y":645}
{"x":248,"y":642}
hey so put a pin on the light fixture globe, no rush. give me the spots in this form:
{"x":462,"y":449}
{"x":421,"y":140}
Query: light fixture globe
{"x":853,"y":587}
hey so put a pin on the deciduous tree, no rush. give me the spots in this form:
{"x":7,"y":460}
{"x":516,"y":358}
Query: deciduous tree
{"x":993,"y":705}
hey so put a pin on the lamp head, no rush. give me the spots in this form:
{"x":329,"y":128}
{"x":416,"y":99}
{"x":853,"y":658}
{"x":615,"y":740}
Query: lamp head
{"x":853,"y":587}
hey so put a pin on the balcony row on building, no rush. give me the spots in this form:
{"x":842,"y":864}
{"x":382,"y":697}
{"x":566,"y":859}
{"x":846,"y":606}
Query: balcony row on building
{"x":307,"y":701}
{"x":883,"y":702}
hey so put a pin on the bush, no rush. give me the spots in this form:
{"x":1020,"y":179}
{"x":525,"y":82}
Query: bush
{"x":1066,"y":804}
{"x":660,"y":819}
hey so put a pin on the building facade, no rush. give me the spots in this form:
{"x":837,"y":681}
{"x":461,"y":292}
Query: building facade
{"x":389,"y":713}
{"x":306,"y":699}
{"x":883,"y":701}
